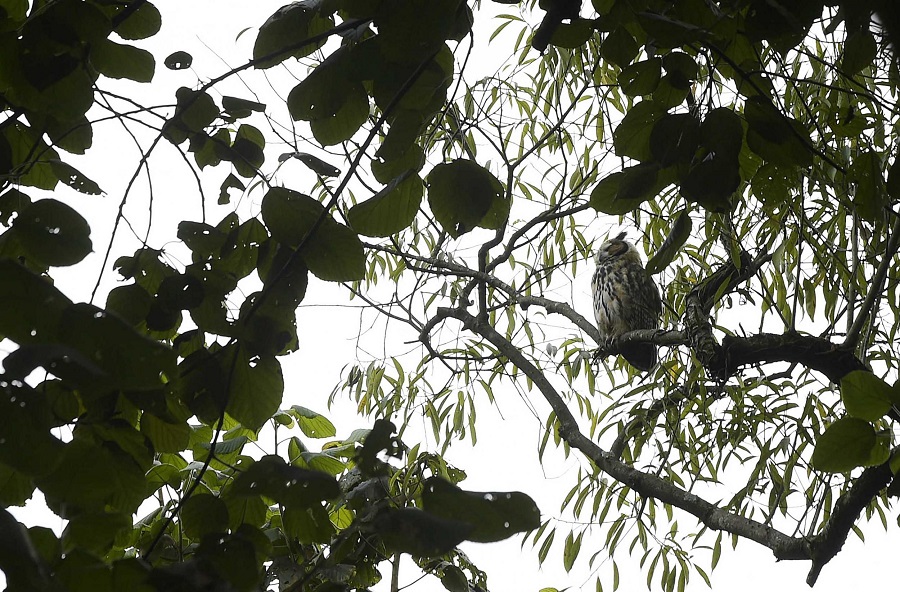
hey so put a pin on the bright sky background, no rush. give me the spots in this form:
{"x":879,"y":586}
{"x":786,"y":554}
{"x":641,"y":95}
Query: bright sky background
{"x":505,"y":457}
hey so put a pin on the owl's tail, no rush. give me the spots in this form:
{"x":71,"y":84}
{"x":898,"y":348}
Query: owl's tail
{"x":640,"y":355}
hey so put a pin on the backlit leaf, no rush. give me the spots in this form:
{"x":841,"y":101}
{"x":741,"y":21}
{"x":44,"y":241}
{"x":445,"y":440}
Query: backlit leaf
{"x":53,"y":232}
{"x":846,"y":444}
{"x":461,"y":193}
{"x":493,"y":516}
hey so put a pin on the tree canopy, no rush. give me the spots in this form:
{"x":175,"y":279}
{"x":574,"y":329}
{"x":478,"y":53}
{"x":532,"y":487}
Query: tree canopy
{"x":747,"y":147}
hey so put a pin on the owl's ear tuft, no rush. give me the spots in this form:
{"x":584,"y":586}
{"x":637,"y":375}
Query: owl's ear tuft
{"x":622,"y":235}
{"x":618,"y":248}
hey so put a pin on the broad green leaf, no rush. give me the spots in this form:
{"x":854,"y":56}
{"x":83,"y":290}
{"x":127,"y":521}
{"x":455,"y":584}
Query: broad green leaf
{"x":308,"y":525}
{"x":671,"y":91}
{"x":574,"y":34}
{"x":116,"y":60}
{"x":712,"y":182}
{"x":93,"y":478}
{"x":180,"y":60}
{"x":246,"y":152}
{"x":461,"y":193}
{"x":203,"y":240}
{"x":130,"y":360}
{"x":320,"y":461}
{"x":72,"y":136}
{"x":681,"y":68}
{"x":15,"y":10}
{"x":346,"y":121}
{"x":404,"y":129}
{"x":494,"y":516}
{"x":454,"y":579}
{"x":314,"y":163}
{"x":390,"y":210}
{"x":324,"y":91}
{"x":312,"y":424}
{"x":271,"y":328}
{"x":386,"y":170}
{"x":623,"y":192}
{"x":235,"y":105}
{"x":74,"y":178}
{"x":161,"y":475}
{"x":34,"y":307}
{"x":230,"y":182}
{"x":847,"y":443}
{"x":632,"y":136}
{"x":226,"y":447}
{"x":131,"y":303}
{"x":860,"y":50}
{"x":26,"y":444}
{"x":233,"y":560}
{"x":140,"y":24}
{"x":619,"y":47}
{"x":24,"y":144}
{"x":20,"y":562}
{"x":775,"y":137}
{"x":288,"y":485}
{"x":722,"y":133}
{"x":255,"y":386}
{"x":669,"y":32}
{"x":12,"y":202}
{"x":53,"y":233}
{"x":674,"y":139}
{"x":773,"y":186}
{"x":892,"y":186}
{"x":239,"y":253}
{"x":245,"y":509}
{"x":164,"y":435}
{"x":641,"y":78}
{"x":415,"y":28}
{"x":202,"y":515}
{"x":16,"y":487}
{"x":95,"y":531}
{"x":333,"y":252}
{"x":286,"y":32}
{"x":421,"y":534}
{"x":865,"y":395}
{"x":61,"y":361}
{"x":194,"y":111}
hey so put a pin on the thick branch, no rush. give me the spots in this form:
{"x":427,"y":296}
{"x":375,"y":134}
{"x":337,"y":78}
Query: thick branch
{"x":646,"y":484}
{"x":814,"y":352}
{"x":849,"y":506}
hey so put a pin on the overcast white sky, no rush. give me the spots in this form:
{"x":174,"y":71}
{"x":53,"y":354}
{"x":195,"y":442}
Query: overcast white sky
{"x":329,"y":333}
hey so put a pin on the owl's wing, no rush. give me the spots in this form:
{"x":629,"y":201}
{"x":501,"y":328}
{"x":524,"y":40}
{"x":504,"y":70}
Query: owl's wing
{"x":645,"y":304}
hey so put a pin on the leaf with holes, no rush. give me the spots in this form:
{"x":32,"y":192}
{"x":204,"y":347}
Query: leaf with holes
{"x":255,"y":387}
{"x":494,"y":516}
{"x":53,"y":233}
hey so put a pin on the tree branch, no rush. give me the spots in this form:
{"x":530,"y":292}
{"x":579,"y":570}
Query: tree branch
{"x":827,"y":543}
{"x":852,"y":339}
{"x":646,"y":484}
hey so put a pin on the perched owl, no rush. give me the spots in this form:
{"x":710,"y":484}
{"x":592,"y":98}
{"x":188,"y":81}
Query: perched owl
{"x":625,"y":299}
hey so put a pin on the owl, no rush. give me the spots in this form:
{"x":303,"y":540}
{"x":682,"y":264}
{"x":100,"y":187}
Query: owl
{"x":625,"y":299}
